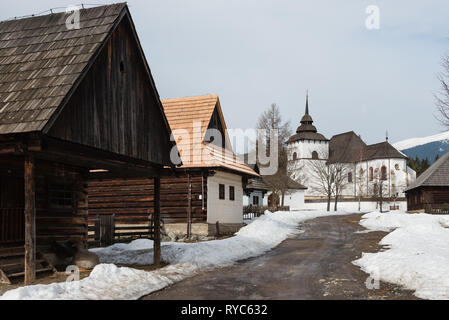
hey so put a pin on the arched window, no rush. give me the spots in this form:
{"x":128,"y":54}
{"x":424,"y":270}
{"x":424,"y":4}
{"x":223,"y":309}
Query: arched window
{"x":350,"y":177}
{"x":314,"y":155}
{"x":295,"y":156}
{"x":383,"y":173}
{"x":371,"y":174}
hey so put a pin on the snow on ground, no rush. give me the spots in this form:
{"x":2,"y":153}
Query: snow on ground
{"x":107,"y":281}
{"x":416,"y":255}
{"x":413,"y":142}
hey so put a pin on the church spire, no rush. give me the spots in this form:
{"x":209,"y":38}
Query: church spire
{"x":307,"y":102}
{"x":306,"y":120}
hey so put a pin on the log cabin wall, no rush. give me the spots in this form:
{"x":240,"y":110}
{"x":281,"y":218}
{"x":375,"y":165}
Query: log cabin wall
{"x":115,"y":108}
{"x":131,"y":199}
{"x":419,"y":198}
{"x":61,"y":202}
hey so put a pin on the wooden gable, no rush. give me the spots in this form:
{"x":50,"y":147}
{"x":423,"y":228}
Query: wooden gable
{"x":116,"y":106}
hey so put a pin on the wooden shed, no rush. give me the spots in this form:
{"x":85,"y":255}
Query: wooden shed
{"x":72,"y":102}
{"x":430,"y":192}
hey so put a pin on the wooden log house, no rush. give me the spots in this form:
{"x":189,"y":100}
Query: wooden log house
{"x":207,"y":188}
{"x":74,"y":104}
{"x":430,"y":192}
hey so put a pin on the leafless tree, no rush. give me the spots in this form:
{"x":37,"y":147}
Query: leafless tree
{"x":442,"y":97}
{"x":271,"y":119}
{"x":360,"y":186}
{"x":323,"y":179}
{"x":340,"y":173}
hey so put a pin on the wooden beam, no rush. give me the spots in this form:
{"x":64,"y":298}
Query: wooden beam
{"x":157,"y":220}
{"x":189,"y":206}
{"x":30,"y":221}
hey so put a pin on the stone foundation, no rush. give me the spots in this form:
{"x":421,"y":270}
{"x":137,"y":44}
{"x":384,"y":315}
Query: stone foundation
{"x":224,"y":228}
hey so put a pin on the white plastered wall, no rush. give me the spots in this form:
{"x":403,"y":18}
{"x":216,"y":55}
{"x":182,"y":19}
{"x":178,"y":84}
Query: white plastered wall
{"x":224,"y":211}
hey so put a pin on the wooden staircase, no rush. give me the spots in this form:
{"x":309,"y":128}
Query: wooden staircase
{"x":12,"y":264}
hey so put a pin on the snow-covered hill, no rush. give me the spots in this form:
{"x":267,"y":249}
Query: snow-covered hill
{"x":413,"y":142}
{"x":426,"y":147}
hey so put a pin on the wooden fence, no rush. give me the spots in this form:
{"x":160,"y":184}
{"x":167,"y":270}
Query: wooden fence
{"x":250,"y":212}
{"x":437,"y":208}
{"x":105,"y":230}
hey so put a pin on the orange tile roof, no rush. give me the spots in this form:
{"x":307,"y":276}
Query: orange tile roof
{"x":189,"y":119}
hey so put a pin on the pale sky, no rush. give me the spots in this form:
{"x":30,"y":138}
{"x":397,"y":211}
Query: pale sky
{"x":256,"y":52}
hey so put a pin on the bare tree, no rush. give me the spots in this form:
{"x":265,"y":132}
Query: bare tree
{"x":271,"y":119}
{"x":340,"y":172}
{"x":442,"y":97}
{"x":323,"y":180}
{"x":360,"y":186}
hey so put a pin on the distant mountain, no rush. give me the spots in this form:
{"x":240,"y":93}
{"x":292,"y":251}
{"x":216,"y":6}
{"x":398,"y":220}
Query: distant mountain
{"x":427,"y":147}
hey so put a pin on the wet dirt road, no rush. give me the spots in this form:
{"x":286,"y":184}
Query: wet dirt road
{"x":315,"y":264}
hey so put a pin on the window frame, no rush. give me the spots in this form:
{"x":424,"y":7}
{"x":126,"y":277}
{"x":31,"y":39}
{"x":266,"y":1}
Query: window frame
{"x":221,"y":191}
{"x":231,"y":193}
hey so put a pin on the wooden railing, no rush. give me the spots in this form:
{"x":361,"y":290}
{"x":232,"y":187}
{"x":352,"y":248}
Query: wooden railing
{"x":12,"y":225}
{"x":437,"y":208}
{"x":106,"y":230}
{"x":250,"y":212}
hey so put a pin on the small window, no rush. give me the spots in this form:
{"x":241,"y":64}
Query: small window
{"x":371,"y":174}
{"x":383,"y":173}
{"x":231,"y":193}
{"x":396,"y":166}
{"x":315,"y":155}
{"x":221,"y":191}
{"x":122,"y":67}
{"x":61,"y":195}
{"x":350,"y":177}
{"x":295,"y":156}
{"x":256,"y":200}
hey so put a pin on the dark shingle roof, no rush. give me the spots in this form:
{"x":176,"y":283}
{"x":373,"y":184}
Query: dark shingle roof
{"x":345,"y":148}
{"x":383,"y":150}
{"x":348,"y":148}
{"x":41,"y":60}
{"x":437,"y":175}
{"x":257,"y":184}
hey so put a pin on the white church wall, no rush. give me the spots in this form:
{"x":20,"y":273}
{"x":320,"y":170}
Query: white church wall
{"x":353,"y":206}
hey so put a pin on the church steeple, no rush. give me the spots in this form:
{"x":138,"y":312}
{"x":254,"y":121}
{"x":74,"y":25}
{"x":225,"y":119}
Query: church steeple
{"x":306,"y":120}
{"x":307,"y":102}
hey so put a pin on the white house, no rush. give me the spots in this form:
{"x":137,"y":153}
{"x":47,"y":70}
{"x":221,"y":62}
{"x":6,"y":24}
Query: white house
{"x":369,"y":168}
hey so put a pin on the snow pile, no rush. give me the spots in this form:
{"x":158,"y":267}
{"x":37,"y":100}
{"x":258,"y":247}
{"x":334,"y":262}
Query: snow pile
{"x":413,"y":142}
{"x":108,"y":281}
{"x":417,"y":254}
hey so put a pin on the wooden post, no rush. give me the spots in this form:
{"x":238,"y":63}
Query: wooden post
{"x":30,"y":221}
{"x":189,"y":207}
{"x":157,"y":221}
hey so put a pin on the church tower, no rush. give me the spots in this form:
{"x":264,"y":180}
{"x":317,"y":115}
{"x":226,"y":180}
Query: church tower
{"x":305,"y":146}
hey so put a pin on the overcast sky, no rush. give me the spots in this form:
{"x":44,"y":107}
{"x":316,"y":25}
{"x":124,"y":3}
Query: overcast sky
{"x":256,"y":52}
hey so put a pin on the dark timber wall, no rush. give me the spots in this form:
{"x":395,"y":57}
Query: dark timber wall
{"x":54,"y":221}
{"x":131,"y":199}
{"x":115,"y":108}
{"x":420,"y":198}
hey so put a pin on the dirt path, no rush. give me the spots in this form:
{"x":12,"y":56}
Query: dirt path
{"x":315,"y":264}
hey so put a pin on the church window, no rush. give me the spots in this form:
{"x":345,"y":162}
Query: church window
{"x":314,"y":155}
{"x":350,"y":177}
{"x":383,"y":173}
{"x":295,"y":156}
{"x":371,"y":174}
